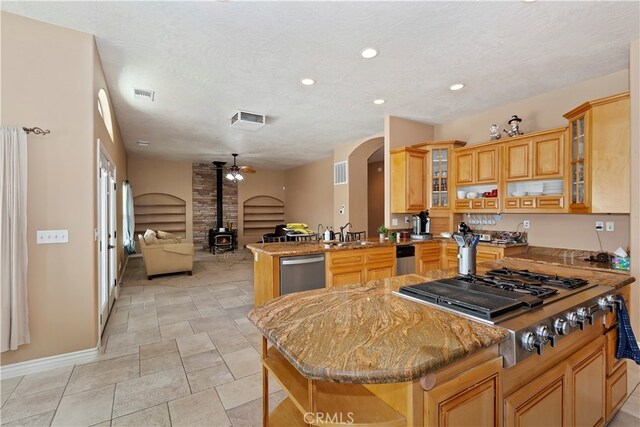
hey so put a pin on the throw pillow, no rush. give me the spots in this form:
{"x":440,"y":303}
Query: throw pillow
{"x":164,"y":235}
{"x":150,"y":237}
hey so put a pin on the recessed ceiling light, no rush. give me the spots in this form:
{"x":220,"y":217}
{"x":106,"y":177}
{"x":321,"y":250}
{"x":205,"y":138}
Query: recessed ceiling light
{"x":307,"y":81}
{"x":143,"y":143}
{"x":378,"y":101}
{"x":528,"y":1}
{"x":456,"y":86}
{"x":369,"y":53}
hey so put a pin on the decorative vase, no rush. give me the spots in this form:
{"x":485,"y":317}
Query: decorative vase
{"x":382,"y":237}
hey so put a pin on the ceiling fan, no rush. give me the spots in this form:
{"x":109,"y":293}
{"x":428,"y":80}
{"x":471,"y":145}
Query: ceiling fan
{"x":234,"y":172}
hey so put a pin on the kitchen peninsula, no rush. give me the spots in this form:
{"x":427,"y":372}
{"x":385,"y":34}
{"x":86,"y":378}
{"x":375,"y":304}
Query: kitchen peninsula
{"x":360,"y":353}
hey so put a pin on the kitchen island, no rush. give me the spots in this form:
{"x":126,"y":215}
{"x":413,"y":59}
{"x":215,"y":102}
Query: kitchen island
{"x":360,"y":353}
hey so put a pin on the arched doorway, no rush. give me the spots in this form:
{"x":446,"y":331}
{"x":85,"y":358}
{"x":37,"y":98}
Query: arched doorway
{"x":359,"y":183}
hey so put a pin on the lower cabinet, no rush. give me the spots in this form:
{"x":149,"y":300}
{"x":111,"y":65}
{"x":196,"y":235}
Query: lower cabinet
{"x":545,"y":398}
{"x":473,"y":398}
{"x":587,"y":380}
{"x":485,"y":253}
{"x":616,"y":390}
{"x":427,"y":257}
{"x":359,"y":265}
{"x":570,"y":394}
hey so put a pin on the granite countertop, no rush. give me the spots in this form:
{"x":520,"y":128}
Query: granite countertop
{"x":304,"y":248}
{"x":565,"y":257}
{"x":362,"y":333}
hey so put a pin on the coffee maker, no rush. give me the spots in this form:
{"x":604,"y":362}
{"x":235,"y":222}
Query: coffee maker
{"x":421,"y":226}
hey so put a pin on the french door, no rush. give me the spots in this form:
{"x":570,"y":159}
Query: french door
{"x":107,"y":237}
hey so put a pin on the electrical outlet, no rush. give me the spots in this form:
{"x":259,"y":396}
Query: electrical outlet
{"x":406,"y":220}
{"x":341,"y":210}
{"x":394,"y":221}
{"x":52,"y":236}
{"x":599,"y":225}
{"x":526,"y":224}
{"x":610,"y":226}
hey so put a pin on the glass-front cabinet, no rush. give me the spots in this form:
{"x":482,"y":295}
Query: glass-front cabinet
{"x":439,"y":177}
{"x":579,"y":165}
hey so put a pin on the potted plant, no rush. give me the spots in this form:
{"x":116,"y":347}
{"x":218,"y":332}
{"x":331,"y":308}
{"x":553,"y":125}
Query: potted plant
{"x":382,"y":231}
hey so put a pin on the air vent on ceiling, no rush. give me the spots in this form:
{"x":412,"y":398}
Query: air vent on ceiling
{"x":340,"y":173}
{"x":247,"y":120}
{"x":143,"y":143}
{"x":145,"y":94}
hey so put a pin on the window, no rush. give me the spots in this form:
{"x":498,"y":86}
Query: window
{"x":105,"y":111}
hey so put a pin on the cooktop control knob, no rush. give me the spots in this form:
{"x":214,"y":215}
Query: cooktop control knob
{"x":528,"y":341}
{"x":561,"y":326}
{"x":572,"y":318}
{"x":582,"y":314}
{"x":545,"y":336}
{"x":609,"y":302}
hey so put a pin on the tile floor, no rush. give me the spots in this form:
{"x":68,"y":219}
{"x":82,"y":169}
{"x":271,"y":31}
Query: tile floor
{"x":177,"y":351}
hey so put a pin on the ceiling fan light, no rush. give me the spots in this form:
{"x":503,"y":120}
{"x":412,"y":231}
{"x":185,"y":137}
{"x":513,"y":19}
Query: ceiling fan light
{"x":230,"y":177}
{"x":239,"y":177}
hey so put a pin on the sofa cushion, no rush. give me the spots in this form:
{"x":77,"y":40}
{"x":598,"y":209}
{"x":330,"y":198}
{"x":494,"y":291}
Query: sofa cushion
{"x":150,"y":237}
{"x":165,"y":235}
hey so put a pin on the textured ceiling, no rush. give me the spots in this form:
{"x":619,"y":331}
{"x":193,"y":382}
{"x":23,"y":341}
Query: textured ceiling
{"x":205,"y":60}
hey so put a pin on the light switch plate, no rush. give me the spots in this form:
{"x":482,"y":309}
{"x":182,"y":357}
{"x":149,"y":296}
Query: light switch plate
{"x":394,"y":221}
{"x":44,"y":237}
{"x":610,"y":226}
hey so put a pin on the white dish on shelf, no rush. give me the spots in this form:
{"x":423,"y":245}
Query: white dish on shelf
{"x":519,"y":193}
{"x":472,"y":195}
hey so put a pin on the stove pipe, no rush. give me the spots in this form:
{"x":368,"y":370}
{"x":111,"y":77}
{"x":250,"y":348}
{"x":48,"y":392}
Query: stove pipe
{"x":219,"y":177}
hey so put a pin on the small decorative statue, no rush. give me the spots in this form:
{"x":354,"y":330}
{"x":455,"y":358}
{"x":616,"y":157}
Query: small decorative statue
{"x":494,"y":132}
{"x":515,"y":126}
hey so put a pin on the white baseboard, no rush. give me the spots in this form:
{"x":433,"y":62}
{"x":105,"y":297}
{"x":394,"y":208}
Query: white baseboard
{"x":46,"y":363}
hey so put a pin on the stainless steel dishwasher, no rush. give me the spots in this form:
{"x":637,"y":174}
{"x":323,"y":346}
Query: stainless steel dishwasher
{"x":405,"y":259}
{"x":301,"y":273}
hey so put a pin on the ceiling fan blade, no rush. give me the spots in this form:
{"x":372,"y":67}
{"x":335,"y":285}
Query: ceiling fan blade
{"x":247,"y":169}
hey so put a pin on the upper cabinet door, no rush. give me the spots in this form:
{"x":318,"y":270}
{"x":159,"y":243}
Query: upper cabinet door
{"x":548,"y":153}
{"x":464,"y":168}
{"x":487,"y":165}
{"x":518,"y":161}
{"x":416,"y":177}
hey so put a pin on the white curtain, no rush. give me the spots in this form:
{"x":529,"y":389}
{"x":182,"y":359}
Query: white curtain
{"x":14,"y":320}
{"x":129,"y":222}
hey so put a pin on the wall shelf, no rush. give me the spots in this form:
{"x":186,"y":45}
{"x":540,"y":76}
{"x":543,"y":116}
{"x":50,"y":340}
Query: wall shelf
{"x":160,"y":211}
{"x":261,"y":214}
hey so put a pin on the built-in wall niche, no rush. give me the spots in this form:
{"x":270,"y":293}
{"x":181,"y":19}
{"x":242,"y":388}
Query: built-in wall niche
{"x":261,"y":214}
{"x":549,"y":187}
{"x":160,"y":211}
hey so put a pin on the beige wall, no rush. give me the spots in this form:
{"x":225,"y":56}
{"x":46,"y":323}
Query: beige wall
{"x":399,"y":132}
{"x":566,"y":231}
{"x":48,"y":79}
{"x":538,"y":113}
{"x":309,"y":193}
{"x":634,"y":83}
{"x":263,"y":183}
{"x":149,"y":175}
{"x":375,"y":197}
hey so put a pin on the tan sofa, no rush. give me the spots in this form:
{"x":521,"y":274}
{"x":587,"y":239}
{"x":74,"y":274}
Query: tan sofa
{"x":164,"y":258}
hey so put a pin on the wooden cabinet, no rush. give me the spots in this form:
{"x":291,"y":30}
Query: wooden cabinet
{"x":408,"y":180}
{"x":464,"y":168}
{"x":427,"y":257}
{"x":486,"y":165}
{"x":548,"y":155}
{"x":472,"y":398}
{"x":535,"y":204}
{"x":599,"y":155}
{"x":536,"y":156}
{"x":586,"y":371}
{"x":518,"y":160}
{"x":449,"y":254}
{"x":616,"y":390}
{"x":546,"y":398}
{"x":477,"y":165}
{"x":359,"y":265}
